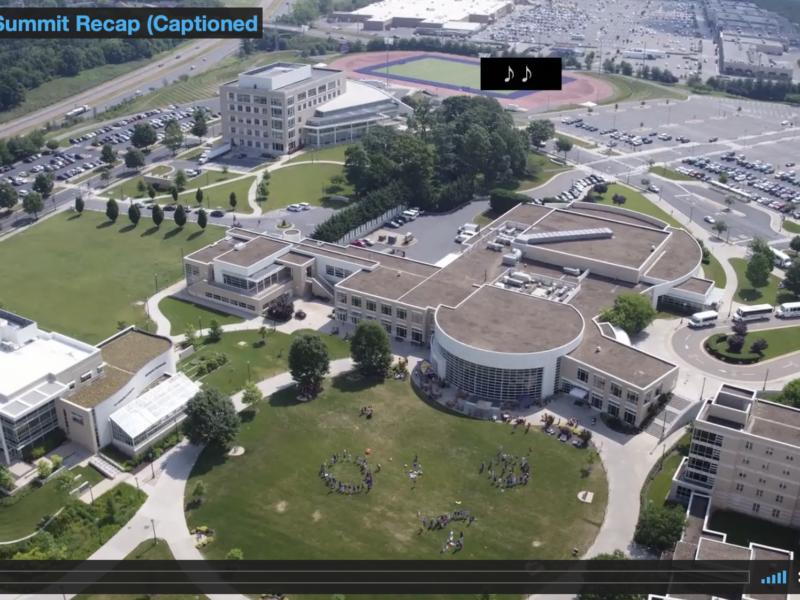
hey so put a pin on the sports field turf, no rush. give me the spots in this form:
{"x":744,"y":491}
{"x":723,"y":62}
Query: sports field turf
{"x":449,"y":72}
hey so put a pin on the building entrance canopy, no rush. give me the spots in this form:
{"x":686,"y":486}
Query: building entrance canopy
{"x":579,"y":393}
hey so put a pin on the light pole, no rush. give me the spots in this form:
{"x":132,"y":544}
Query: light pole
{"x":703,"y":389}
{"x":91,"y":494}
{"x":155,"y":276}
{"x":691,"y":212}
{"x":199,"y":325}
{"x":248,"y":370}
{"x":766,"y":377}
{"x":136,"y":479}
{"x":155,"y":537}
{"x":669,"y":115}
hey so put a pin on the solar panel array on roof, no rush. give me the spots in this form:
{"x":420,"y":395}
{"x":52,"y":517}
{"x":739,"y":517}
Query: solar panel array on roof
{"x":548,"y":237}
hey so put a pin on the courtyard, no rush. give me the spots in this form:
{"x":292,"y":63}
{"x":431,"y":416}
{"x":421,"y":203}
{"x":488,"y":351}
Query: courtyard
{"x":272,"y":503}
{"x":82,"y":275}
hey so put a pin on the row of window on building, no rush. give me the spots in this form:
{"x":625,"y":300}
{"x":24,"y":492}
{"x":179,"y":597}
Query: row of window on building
{"x":631,"y":396}
{"x":225,"y":300}
{"x":386,"y":309}
{"x":278,"y":135}
{"x":399,"y":330}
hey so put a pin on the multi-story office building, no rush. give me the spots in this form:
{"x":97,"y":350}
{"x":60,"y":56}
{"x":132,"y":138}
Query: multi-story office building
{"x":753,"y":57}
{"x":52,"y":381}
{"x":745,"y":455}
{"x":278,"y":109}
{"x":514,"y":315}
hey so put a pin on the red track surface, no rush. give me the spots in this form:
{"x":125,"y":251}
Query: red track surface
{"x":583,"y":89}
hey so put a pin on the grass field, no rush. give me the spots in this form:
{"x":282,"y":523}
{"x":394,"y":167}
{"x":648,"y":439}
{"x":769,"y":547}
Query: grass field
{"x":637,"y":202}
{"x":791,"y":226}
{"x":264,"y":361}
{"x":746,"y":294}
{"x":335,"y":153}
{"x":280,"y":508}
{"x":782,"y":341}
{"x":657,"y":489}
{"x":130,"y":187}
{"x":629,"y":89}
{"x":714,"y":271}
{"x":440,"y":70}
{"x":82,"y":274}
{"x":305,"y":183}
{"x":160,"y":170}
{"x":20,"y":519}
{"x":670,"y":174}
{"x":575,"y":142}
{"x":181,"y":312}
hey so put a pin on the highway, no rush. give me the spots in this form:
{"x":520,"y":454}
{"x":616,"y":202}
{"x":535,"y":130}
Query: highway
{"x":203,"y":55}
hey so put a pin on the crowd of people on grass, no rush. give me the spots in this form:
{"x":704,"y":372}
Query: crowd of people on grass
{"x":342,"y":487}
{"x":516,"y":469}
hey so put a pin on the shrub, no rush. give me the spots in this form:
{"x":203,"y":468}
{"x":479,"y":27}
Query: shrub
{"x":56,"y":461}
{"x":735,"y":343}
{"x":205,"y":542}
{"x":158,"y":452}
{"x":198,"y":545}
{"x":203,"y":529}
{"x":209,"y":539}
{"x":282,"y":309}
{"x":38,"y":452}
{"x":201,"y":370}
{"x":43,"y":469}
{"x":600,"y":188}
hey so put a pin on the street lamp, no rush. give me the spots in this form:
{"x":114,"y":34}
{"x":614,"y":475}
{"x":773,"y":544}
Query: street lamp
{"x":766,"y":377}
{"x":155,"y":275}
{"x":99,"y":531}
{"x":199,"y":325}
{"x":248,"y":370}
{"x":155,"y":537}
{"x":691,"y":212}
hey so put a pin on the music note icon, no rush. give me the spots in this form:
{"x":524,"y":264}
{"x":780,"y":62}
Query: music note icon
{"x":510,"y":75}
{"x":528,"y":75}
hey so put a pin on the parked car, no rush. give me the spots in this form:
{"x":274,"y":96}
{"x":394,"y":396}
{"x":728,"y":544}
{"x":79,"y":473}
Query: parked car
{"x":294,"y":208}
{"x":217,"y":214}
{"x":709,"y":219}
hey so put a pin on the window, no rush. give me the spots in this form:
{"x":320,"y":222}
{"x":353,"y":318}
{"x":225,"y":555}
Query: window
{"x":386,"y":310}
{"x":745,"y":461}
{"x":230,"y":95}
{"x":702,"y":465}
{"x":355,"y":301}
{"x":739,"y":487}
{"x":762,"y":480}
{"x":259,"y":100}
{"x":401,"y":313}
{"x":86,"y":377}
{"x":706,"y":437}
{"x":759,"y":493}
{"x":769,"y":451}
{"x":243,"y":97}
{"x":372,"y":306}
{"x":776,"y":514}
{"x":277,"y":147}
{"x":704,"y":451}
{"x":789,"y":457}
{"x":597,"y":400}
{"x":765,"y":466}
{"x":233,"y":129}
{"x":786,"y":471}
{"x":599,"y":382}
{"x":633,"y":397}
{"x":401,"y":331}
{"x":613,"y":409}
{"x":583,"y":375}
{"x":72,"y":385}
{"x":237,"y":282}
{"x":290,"y":101}
{"x":355,"y":317}
{"x":616,"y":391}
{"x":742,"y":475}
{"x":191,"y":270}
{"x":416,"y":318}
{"x":748,"y":445}
{"x":779,"y":499}
{"x":321,"y":89}
{"x":756,"y":507}
{"x":683,"y":494}
{"x":301,"y":96}
{"x":277,"y":124}
{"x":658,"y":390}
{"x":387,"y":325}
{"x":782,"y":485}
{"x":329,"y":270}
{"x":77,"y":418}
{"x":275,"y":102}
{"x":630,"y":416}
{"x":341,"y":297}
{"x":647,"y":397}
{"x":312,"y":92}
{"x":339,"y":272}
{"x":416,"y":336}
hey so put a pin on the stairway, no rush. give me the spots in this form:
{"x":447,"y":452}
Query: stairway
{"x":661,"y":425}
{"x":104,"y":466}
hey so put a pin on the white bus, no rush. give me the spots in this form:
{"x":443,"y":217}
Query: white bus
{"x":788,"y":310}
{"x":760,"y":312}
{"x":781,"y":260}
{"x":704,"y":319}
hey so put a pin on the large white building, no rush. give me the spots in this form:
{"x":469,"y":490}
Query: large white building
{"x":49,"y":381}
{"x":514,"y":315}
{"x":430,"y":14}
{"x":741,"y":56}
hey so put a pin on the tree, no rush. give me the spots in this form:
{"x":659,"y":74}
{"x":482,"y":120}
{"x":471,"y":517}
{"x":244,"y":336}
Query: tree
{"x":190,"y":335}
{"x":200,"y":490}
{"x":202,"y":218}
{"x":79,"y":204}
{"x":52,"y":144}
{"x":134,"y":159}
{"x":631,"y":312}
{"x":370,"y":349}
{"x":199,"y":196}
{"x":263,"y":333}
{"x":759,"y":246}
{"x":729,"y":200}
{"x":723,"y":178}
{"x":794,"y":244}
{"x":144,"y":135}
{"x":211,"y":419}
{"x":173,"y":191}
{"x":619,"y":199}
{"x":309,"y":362}
{"x":43,"y":469}
{"x":759,"y":346}
{"x":43,"y":184}
{"x":112,"y":210}
{"x":33,"y":204}
{"x":540,"y":131}
{"x":8,"y":196}
{"x":151,"y":192}
{"x":214,"y":331}
{"x":563,"y":145}
{"x":134,"y":214}
{"x":262,"y":192}
{"x":108,"y":155}
{"x":181,"y":179}
{"x":758,"y":270}
{"x":199,"y":126}
{"x":501,"y":201}
{"x":739,"y":328}
{"x":645,"y":182}
{"x":792,"y":280}
{"x":173,"y":136}
{"x":6,"y":478}
{"x":588,"y":593}
{"x":720,"y":227}
{"x":791,"y":393}
{"x":660,"y":527}
{"x":735,"y":343}
{"x":157,"y":215}
{"x":232,"y":200}
{"x":105,"y":175}
{"x":251,"y":394}
{"x":180,"y":216}
{"x":57,"y":461}
{"x":64,"y":483}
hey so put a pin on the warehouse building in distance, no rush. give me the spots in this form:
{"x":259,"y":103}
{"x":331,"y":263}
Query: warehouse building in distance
{"x":446,"y":15}
{"x":746,"y":19}
{"x":741,"y":56}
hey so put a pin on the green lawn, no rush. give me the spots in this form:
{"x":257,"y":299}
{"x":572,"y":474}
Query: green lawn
{"x":21,"y":518}
{"x":271,"y":503}
{"x":83,"y":274}
{"x":713,"y":270}
{"x":265,"y":361}
{"x":305,"y":183}
{"x":657,"y":489}
{"x":181,"y":312}
{"x":485,"y":217}
{"x":638,"y":203}
{"x":791,"y":226}
{"x":441,"y":70}
{"x":781,"y":341}
{"x":575,"y":142}
{"x":628,"y":89}
{"x":130,"y":187}
{"x":670,"y":174}
{"x":744,"y":530}
{"x":335,"y":153}
{"x":160,"y":170}
{"x":219,"y":196}
{"x":746,"y":294}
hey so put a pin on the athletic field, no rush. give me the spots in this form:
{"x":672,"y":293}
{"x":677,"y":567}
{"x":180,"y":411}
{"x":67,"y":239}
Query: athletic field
{"x":445,"y":71}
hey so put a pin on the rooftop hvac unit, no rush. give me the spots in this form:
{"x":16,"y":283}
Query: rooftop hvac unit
{"x":521,"y":276}
{"x":238,"y":246}
{"x":511,"y":259}
{"x":7,"y":346}
{"x":504,"y":239}
{"x":652,"y":248}
{"x":495,"y":247}
{"x":572,"y":271}
{"x":512,"y":282}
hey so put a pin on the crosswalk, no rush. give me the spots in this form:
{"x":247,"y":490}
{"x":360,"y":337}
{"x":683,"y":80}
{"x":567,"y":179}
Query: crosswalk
{"x":778,"y":243}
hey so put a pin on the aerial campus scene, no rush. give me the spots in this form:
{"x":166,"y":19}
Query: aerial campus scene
{"x":318,"y":296}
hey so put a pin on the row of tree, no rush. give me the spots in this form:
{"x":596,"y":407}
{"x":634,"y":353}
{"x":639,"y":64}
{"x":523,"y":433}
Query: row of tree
{"x":753,"y":88}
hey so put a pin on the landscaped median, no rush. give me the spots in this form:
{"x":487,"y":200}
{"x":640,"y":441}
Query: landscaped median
{"x":780,"y":341}
{"x":670,"y":174}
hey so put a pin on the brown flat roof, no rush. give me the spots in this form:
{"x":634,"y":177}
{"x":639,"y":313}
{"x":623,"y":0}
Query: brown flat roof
{"x":389,"y":284}
{"x":393,"y":261}
{"x":684,"y":551}
{"x":332,"y":251}
{"x":102,"y":388}
{"x":253,"y":251}
{"x":294,"y":258}
{"x":602,"y":214}
{"x":526,"y":213}
{"x":134,"y":349}
{"x":209,"y":253}
{"x":713,"y":550}
{"x":630,"y":245}
{"x":244,"y":234}
{"x":695,"y":519}
{"x":490,"y":320}
{"x":776,"y":422}
{"x":681,"y":255}
{"x":696,"y":285}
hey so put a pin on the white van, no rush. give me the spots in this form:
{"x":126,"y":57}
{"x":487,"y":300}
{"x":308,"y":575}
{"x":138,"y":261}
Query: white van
{"x":788,"y":310}
{"x":707,"y":318}
{"x":410,"y":215}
